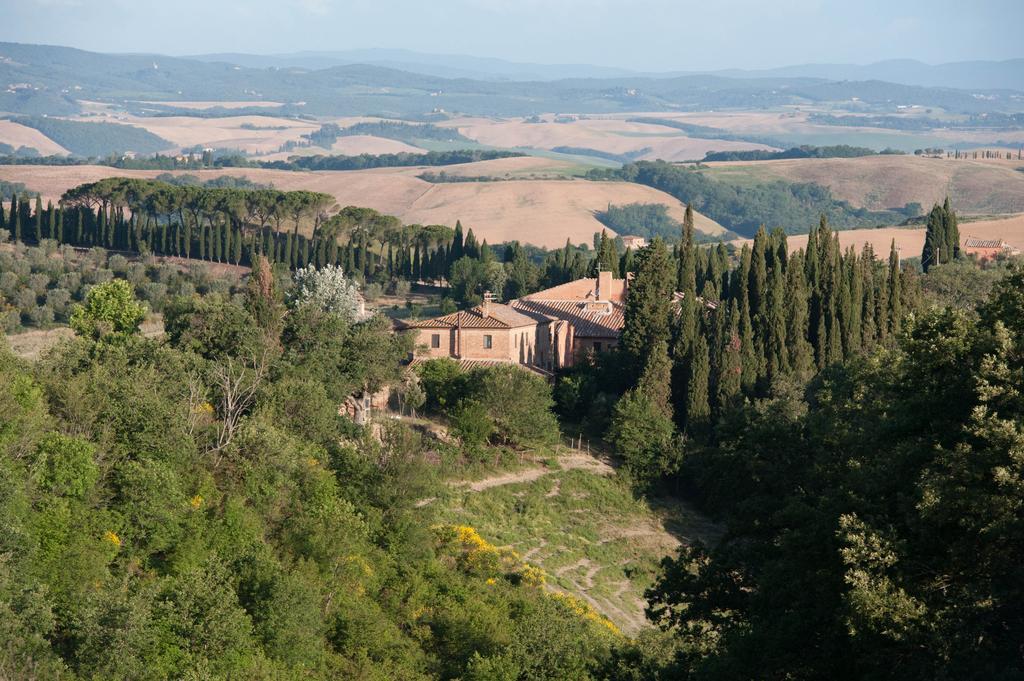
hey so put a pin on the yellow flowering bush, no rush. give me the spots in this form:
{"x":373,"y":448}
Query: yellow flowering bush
{"x":112,"y":538}
{"x":475,"y":554}
{"x":532,"y":575}
{"x":196,"y":501}
{"x":583,"y":610}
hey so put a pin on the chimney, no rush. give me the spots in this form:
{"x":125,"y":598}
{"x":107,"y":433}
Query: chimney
{"x":485,"y":308}
{"x":604,"y":285}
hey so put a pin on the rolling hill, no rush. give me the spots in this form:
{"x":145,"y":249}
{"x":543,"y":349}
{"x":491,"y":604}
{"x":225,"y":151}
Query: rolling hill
{"x":53,"y":79}
{"x":539,"y":212}
{"x":884,"y":182}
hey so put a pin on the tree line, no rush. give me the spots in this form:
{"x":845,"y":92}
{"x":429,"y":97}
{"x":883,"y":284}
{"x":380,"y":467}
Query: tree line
{"x":704,"y":331}
{"x":293,"y":229}
{"x":743,"y":209}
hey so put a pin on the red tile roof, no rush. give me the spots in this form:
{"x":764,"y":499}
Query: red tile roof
{"x":580,"y":289}
{"x":499,"y":316}
{"x":586,"y":320}
{"x":975,"y":242}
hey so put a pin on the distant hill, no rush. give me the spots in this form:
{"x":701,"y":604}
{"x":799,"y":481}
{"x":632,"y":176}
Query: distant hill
{"x":441,"y":65}
{"x":49,"y":80}
{"x":967,"y":75}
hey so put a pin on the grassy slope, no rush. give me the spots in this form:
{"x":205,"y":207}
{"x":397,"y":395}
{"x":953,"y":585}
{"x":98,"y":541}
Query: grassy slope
{"x":578,"y":521}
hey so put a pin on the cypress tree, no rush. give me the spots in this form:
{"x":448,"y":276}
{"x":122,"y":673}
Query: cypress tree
{"x":853,"y":303}
{"x":470,"y":247}
{"x":698,"y":405}
{"x":648,"y":307}
{"x":801,"y":354}
{"x":952,"y":229}
{"x":101,"y":227}
{"x":607,"y":259}
{"x":457,"y":245}
{"x":655,"y":379}
{"x":417,"y":265}
{"x":3,"y":219}
{"x":15,"y":219}
{"x":305,"y":252}
{"x":228,"y":246}
{"x":773,"y":320}
{"x":895,"y":307}
{"x":59,"y":234}
{"x":730,"y":363}
{"x":868,"y":326}
{"x":79,"y":227}
{"x":686,"y":284}
{"x":758,"y":278}
{"x":628,"y":262}
{"x":51,"y":221}
{"x":350,"y":259}
{"x":934,"y":240}
{"x":39,"y":219}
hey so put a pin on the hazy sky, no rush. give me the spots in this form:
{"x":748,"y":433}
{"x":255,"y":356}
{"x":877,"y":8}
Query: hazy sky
{"x":638,"y":34}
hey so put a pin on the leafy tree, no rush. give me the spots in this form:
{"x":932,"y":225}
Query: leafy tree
{"x":328,"y":290}
{"x":110,"y":311}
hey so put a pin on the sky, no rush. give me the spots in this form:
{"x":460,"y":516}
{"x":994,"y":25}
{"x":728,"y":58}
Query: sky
{"x":646,"y":35}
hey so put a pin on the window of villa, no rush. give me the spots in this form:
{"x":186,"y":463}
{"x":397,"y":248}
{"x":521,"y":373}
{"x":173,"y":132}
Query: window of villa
{"x":435,"y":340}
{"x":597,"y":347}
{"x":487,"y":342}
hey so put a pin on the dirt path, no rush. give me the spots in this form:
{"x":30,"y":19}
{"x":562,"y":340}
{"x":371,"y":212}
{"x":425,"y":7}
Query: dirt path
{"x":573,"y":461}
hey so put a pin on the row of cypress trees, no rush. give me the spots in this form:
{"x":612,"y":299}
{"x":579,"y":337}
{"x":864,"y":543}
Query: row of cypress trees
{"x":700,"y":335}
{"x":942,"y":238}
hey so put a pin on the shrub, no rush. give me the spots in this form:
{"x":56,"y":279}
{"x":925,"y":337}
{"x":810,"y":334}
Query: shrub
{"x":109,"y":309}
{"x":472,"y":423}
{"x":442,"y":382}
{"x":328,"y":290}
{"x":41,"y":316}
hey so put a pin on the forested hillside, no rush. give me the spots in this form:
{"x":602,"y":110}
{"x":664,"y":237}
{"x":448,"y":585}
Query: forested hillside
{"x":364,"y":90}
{"x":795,"y":207}
{"x":197,"y":505}
{"x":96,"y":138}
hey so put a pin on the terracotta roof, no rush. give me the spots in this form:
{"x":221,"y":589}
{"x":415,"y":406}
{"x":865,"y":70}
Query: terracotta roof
{"x":499,"y":317}
{"x":580,"y":289}
{"x":587,"y":321}
{"x":975,"y":242}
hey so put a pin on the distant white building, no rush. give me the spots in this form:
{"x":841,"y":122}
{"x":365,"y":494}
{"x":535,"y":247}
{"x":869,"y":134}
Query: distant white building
{"x":633,"y":241}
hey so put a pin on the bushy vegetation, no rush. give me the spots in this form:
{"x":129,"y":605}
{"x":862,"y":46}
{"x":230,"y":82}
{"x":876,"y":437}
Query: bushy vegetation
{"x":364,"y":161}
{"x":504,"y":405}
{"x":197,"y":508}
{"x":994,"y":119}
{"x":803,"y":151}
{"x":641,"y":219}
{"x":405,"y":132}
{"x":10,"y":189}
{"x":96,"y":138}
{"x":795,"y":207}
{"x":606,"y":155}
{"x":873,"y":520}
{"x":40,"y":286}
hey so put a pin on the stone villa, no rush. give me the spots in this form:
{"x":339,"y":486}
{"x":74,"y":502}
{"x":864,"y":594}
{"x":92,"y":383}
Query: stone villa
{"x":544,"y":331}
